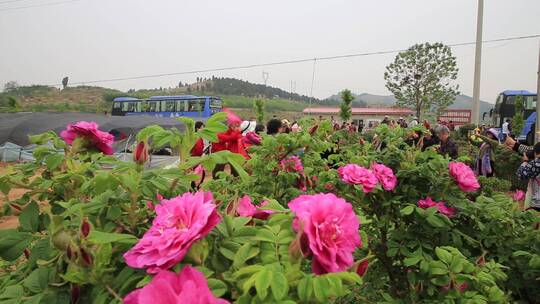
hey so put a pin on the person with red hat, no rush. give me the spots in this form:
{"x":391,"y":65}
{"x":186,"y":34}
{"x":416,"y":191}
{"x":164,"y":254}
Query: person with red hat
{"x":230,"y":140}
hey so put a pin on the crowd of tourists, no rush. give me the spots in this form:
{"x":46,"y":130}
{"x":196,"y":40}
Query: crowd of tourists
{"x":242,"y":134}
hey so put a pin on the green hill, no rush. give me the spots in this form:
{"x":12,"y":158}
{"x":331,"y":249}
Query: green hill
{"x":38,"y":98}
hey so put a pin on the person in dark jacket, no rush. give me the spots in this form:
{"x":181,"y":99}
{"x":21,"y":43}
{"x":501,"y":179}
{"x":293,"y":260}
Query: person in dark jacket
{"x":198,"y":149}
{"x":447,"y":145}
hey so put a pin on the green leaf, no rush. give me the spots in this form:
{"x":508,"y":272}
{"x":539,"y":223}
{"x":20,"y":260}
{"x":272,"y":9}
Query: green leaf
{"x":407,"y":210}
{"x":349,"y":277}
{"x":434,"y":221}
{"x":98,"y":237}
{"x":411,"y":261}
{"x":441,"y":281}
{"x":457,"y":265}
{"x":38,"y":280}
{"x":148,"y":131}
{"x":29,"y":218}
{"x":443,"y":255}
{"x":217,"y":287}
{"x":305,"y":288}
{"x":320,"y":289}
{"x":53,"y":161}
{"x":274,"y":206}
{"x":12,"y":292}
{"x":265,"y":235}
{"x":245,"y":253}
{"x":114,"y":213}
{"x":279,"y":285}
{"x":40,"y":251}
{"x":262,"y":283}
{"x":13,"y":243}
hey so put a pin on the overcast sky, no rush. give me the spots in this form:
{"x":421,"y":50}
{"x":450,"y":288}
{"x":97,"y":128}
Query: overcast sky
{"x":100,"y":39}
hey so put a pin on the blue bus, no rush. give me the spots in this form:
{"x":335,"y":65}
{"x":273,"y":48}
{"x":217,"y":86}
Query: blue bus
{"x":167,"y":106}
{"x":505,"y":108}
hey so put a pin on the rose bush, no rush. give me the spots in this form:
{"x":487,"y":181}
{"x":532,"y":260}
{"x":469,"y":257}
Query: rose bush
{"x":94,"y":229}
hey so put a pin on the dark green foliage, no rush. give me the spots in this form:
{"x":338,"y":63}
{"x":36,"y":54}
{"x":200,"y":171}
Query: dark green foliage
{"x":345,"y":111}
{"x":232,"y":86}
{"x":518,"y":122}
{"x":258,"y":107}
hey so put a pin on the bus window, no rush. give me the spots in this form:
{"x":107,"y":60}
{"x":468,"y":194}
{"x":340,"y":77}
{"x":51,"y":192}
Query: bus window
{"x":215,"y":103}
{"x":117,"y":105}
{"x":152,"y":106}
{"x":530,"y":102}
{"x":169,"y":106}
{"x":181,"y":105}
{"x":196,"y":105}
{"x":128,"y":106}
{"x":510,"y":100}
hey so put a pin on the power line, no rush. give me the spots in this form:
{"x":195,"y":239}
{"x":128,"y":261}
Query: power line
{"x":11,"y":1}
{"x":37,"y":5}
{"x":249,"y":66}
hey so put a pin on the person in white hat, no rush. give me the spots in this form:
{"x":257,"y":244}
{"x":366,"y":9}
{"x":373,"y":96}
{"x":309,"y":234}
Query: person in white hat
{"x":414,"y":122}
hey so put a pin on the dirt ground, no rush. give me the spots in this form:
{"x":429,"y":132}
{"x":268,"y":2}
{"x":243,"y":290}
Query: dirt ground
{"x":10,"y":221}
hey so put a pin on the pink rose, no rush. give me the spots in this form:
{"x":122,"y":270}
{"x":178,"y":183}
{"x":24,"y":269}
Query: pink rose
{"x":426,"y":203}
{"x":292,"y":164}
{"x":89,"y":130}
{"x":385,"y":176}
{"x":464,"y":176}
{"x":441,"y":206}
{"x":189,"y":286}
{"x":247,"y":209}
{"x":355,"y":175}
{"x":179,"y":222}
{"x":330,"y":227}
{"x":518,"y":196}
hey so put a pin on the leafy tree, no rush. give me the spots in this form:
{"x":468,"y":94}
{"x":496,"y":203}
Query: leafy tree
{"x":65,"y":82}
{"x":518,"y":121}
{"x":345,"y":111}
{"x":12,"y":102}
{"x":258,"y":107}
{"x":10,"y":86}
{"x":422,"y":77}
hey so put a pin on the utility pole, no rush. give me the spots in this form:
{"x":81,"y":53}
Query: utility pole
{"x":312,"y":82}
{"x":265,"y":76}
{"x":478,"y":64}
{"x":538,"y":98}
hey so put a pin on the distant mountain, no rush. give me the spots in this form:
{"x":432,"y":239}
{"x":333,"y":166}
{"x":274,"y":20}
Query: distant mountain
{"x":371,"y":100}
{"x":233,"y":86}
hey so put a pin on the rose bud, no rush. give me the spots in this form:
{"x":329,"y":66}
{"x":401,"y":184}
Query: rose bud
{"x":140,"y":156}
{"x":69,"y":253}
{"x":75,"y":293}
{"x":329,"y":187}
{"x":85,"y":228}
{"x":150,"y":205}
{"x":16,"y":207}
{"x":26,"y":253}
{"x":159,"y":197}
{"x":361,"y":267}
{"x":481,"y":261}
{"x":87,"y":258}
{"x":313,"y":129}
